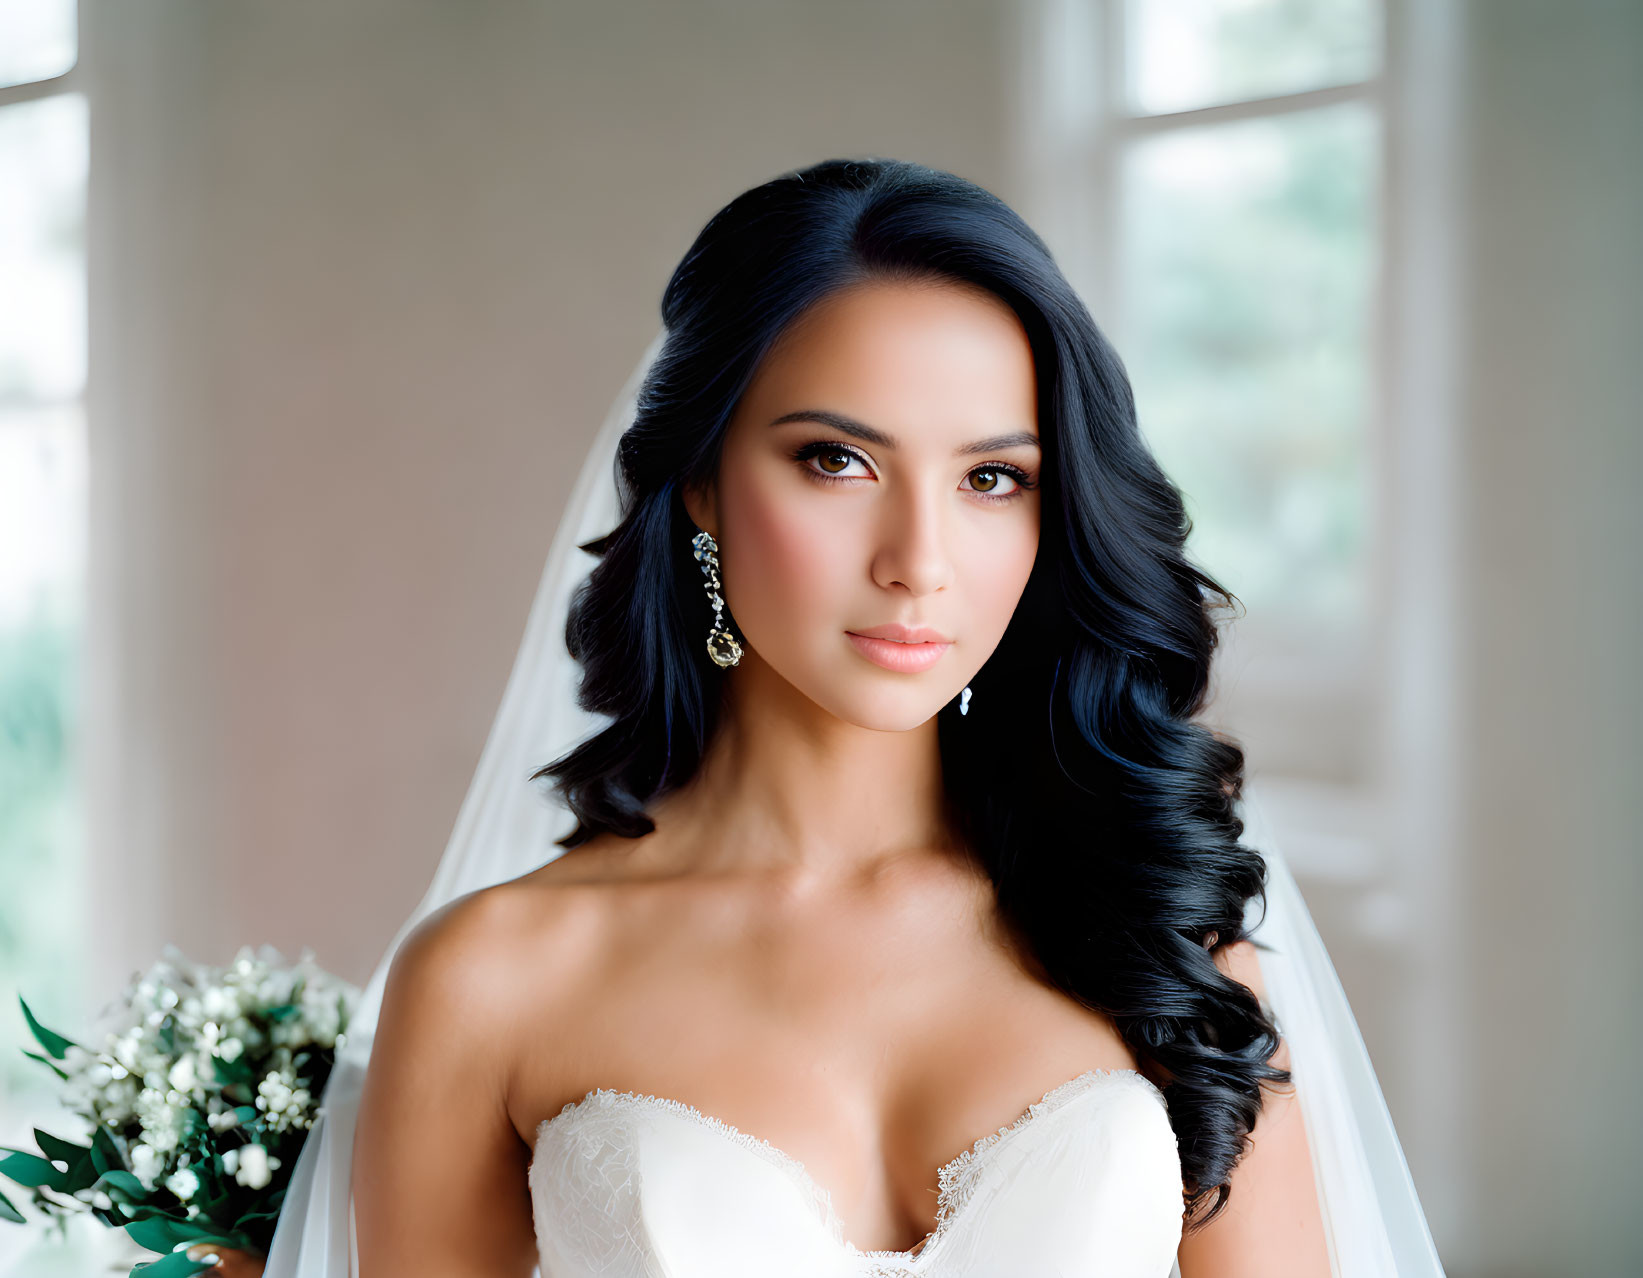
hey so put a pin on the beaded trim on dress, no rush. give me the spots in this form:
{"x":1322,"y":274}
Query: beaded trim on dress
{"x":956,"y":1179}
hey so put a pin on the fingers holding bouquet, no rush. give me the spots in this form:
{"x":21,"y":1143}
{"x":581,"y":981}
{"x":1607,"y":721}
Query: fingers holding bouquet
{"x":228,"y":1262}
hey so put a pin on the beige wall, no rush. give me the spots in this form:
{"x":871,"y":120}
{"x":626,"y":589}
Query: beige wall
{"x":1553,"y":448}
{"x":364,"y":280}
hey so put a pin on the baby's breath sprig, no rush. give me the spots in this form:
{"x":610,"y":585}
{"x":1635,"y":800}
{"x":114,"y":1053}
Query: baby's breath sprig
{"x":196,"y":1107}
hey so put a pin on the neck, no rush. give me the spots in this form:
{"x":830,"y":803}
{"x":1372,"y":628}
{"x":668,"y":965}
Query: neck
{"x":789,"y":790}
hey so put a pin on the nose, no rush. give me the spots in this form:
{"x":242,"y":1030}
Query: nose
{"x":913,"y":549}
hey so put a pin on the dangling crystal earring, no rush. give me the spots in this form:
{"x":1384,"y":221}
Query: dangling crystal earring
{"x":721,"y":644}
{"x":964,"y":700}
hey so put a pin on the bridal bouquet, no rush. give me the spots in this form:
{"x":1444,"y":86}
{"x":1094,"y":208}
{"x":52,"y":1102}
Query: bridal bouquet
{"x":196,"y":1107}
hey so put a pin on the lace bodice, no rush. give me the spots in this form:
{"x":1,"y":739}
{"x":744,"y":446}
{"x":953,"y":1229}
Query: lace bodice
{"x":1086,"y":1183}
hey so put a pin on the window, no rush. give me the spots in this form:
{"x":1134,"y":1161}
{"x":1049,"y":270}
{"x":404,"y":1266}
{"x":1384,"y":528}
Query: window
{"x":43,"y":157}
{"x":1224,"y":181}
{"x":1209,"y":172}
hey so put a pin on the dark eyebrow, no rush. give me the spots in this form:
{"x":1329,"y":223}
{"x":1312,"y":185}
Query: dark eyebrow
{"x":861,"y":430}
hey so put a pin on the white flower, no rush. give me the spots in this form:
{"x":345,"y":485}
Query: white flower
{"x":182,"y":1075}
{"x":185,"y":1184}
{"x":221,"y":1003}
{"x":320,"y":1012}
{"x":274,"y":1093}
{"x":125,"y":1051}
{"x":254,"y":1166}
{"x":146,"y":1163}
{"x":229,"y":1049}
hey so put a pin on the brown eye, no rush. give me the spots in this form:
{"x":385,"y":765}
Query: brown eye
{"x":984,"y":481}
{"x":810,"y":458}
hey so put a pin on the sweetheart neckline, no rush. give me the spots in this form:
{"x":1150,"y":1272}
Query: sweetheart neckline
{"x":952,"y":1177}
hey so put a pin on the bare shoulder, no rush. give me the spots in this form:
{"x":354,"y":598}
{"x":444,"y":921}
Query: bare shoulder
{"x":439,"y":1174}
{"x":478,"y":955}
{"x":1272,"y":1224}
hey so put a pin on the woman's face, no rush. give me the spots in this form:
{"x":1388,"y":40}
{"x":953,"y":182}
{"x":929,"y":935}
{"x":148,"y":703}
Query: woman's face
{"x":881,"y":470}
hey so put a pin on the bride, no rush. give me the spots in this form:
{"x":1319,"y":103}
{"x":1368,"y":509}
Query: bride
{"x":903,"y":924}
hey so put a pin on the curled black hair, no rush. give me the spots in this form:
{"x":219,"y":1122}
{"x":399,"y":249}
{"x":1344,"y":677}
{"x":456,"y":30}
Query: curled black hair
{"x":1104,"y":815}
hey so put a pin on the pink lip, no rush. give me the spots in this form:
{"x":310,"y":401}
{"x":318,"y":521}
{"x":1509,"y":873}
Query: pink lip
{"x":904,"y":634}
{"x":883,"y":646}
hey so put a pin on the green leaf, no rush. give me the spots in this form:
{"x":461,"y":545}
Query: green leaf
{"x":105,"y":1154}
{"x":237,"y":1070}
{"x":162,"y":1233}
{"x":176,"y":1265}
{"x":261,"y":1213}
{"x":55,"y":1044}
{"x":61,"y":1073}
{"x":147,"y":1211}
{"x":212,"y":1205}
{"x":8,"y":1212}
{"x":81,"y":1173}
{"x":31,"y":1170}
{"x":247,"y":1113}
{"x":55,"y":1147}
{"x":125,"y":1182}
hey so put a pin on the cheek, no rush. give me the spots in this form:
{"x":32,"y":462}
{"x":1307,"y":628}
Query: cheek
{"x":789,"y":565}
{"x":993,"y":567}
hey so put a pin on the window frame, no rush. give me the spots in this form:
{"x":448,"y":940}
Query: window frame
{"x":1299,"y":682}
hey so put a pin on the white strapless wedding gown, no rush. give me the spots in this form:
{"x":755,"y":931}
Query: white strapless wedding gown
{"x":1085,"y":1184}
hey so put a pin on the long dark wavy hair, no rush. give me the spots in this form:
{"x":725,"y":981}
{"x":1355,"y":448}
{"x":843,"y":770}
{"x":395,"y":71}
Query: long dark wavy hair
{"x":1103,"y":814}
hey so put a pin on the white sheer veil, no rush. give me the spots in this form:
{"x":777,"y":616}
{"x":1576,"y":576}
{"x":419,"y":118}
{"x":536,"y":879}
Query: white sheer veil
{"x":507,"y":827}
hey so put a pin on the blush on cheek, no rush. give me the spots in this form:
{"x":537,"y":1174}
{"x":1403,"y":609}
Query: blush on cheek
{"x":786,"y":555}
{"x":995,"y":571}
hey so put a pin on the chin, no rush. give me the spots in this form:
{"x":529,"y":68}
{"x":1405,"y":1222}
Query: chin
{"x":881,"y":713}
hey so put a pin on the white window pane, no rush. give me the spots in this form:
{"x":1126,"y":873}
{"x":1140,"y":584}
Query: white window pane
{"x":1247,"y":270}
{"x":1183,"y":54}
{"x":37,"y":39}
{"x":42,"y":571}
{"x":42,"y":255}
{"x":42,"y":513}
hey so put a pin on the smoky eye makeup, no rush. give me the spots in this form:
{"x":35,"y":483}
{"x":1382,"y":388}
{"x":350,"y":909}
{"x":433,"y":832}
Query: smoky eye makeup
{"x":805,"y":453}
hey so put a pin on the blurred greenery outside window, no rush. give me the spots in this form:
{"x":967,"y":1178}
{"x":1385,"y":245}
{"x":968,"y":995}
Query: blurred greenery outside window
{"x":43,"y":517}
{"x":1243,"y":171}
